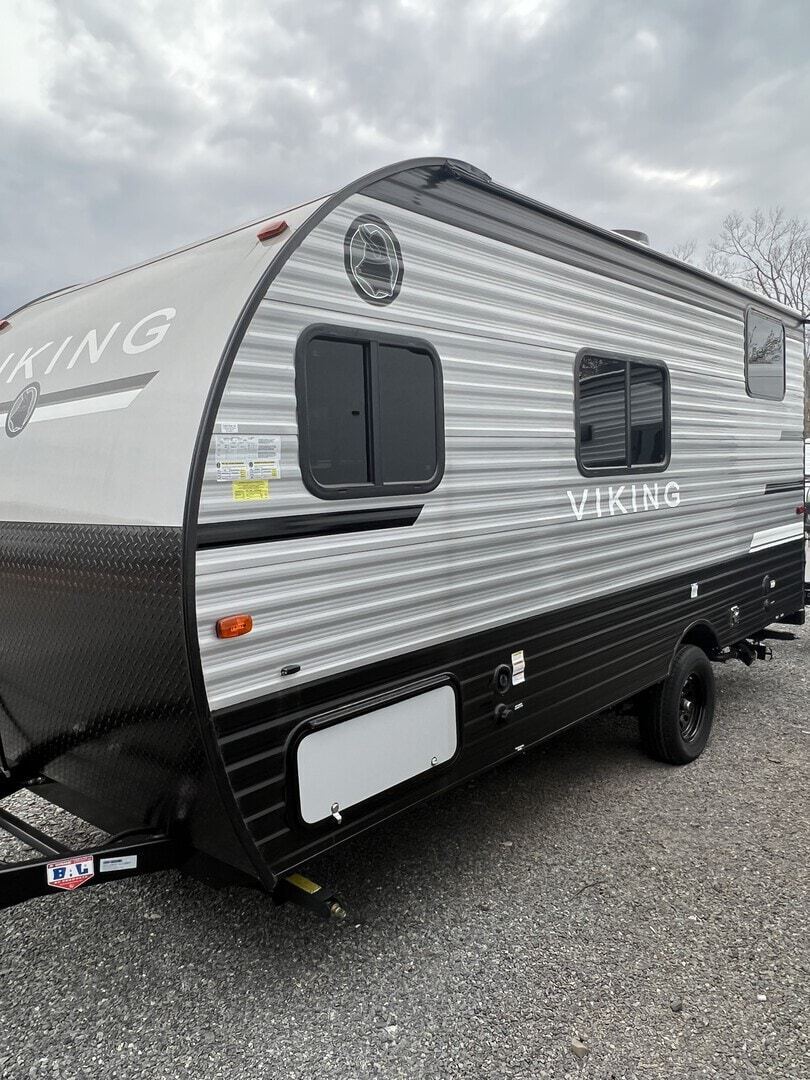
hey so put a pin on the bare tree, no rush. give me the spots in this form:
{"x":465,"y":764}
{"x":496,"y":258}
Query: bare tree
{"x":768,"y":252}
{"x":686,"y":252}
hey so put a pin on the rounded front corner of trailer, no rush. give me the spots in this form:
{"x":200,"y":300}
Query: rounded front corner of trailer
{"x":104,"y":390}
{"x":356,"y":267}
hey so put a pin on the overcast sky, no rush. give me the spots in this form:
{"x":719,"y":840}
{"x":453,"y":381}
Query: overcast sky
{"x":129,"y":129}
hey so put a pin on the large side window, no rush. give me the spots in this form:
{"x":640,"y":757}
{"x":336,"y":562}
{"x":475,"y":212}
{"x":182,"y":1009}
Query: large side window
{"x":370,"y":414}
{"x":622,"y":414}
{"x":764,"y":356}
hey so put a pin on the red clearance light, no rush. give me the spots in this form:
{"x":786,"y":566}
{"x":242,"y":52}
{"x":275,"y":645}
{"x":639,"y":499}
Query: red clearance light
{"x":275,"y":228}
{"x":801,"y":509}
{"x":234,"y":626}
{"x":4,"y":323}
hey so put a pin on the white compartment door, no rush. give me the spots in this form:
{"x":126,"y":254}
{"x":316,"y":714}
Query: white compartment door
{"x":347,"y":762}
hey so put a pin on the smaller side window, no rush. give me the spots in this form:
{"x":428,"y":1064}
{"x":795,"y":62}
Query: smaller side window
{"x":622,"y":414}
{"x":764,"y":356}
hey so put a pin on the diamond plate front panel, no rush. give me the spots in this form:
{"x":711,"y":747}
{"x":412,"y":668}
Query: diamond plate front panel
{"x":94,"y":682}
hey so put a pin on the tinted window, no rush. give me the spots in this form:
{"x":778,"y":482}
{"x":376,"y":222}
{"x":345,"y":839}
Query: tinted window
{"x":623,"y":414}
{"x":602,"y":412}
{"x":647,"y":430}
{"x":764,"y":357}
{"x":370,"y":415}
{"x":337,"y":412}
{"x":407,"y":427}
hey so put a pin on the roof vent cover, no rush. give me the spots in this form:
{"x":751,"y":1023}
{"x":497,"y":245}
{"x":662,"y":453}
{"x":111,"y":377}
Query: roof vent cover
{"x":463,"y":168}
{"x":634,"y":234}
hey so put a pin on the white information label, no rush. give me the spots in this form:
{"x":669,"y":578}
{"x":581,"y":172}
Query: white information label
{"x":518,"y":668}
{"x":247,"y":457}
{"x":228,"y":428}
{"x":118,"y":862}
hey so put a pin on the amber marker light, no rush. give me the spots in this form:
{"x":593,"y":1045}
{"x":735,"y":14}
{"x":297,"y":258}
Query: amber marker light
{"x":234,"y":626}
{"x":275,"y":228}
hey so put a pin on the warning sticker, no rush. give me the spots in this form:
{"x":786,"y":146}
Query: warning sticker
{"x":70,"y":873}
{"x":518,"y":668}
{"x":250,"y":490}
{"x":247,"y":457}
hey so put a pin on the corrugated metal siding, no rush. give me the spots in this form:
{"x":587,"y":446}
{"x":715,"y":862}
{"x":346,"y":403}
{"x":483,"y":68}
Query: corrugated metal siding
{"x":497,"y":540}
{"x":512,"y":218}
{"x":578,"y":659}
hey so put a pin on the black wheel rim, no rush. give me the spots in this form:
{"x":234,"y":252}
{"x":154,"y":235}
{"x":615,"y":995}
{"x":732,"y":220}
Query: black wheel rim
{"x":692,"y":708}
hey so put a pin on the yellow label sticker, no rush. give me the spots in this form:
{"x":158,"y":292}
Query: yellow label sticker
{"x":250,"y":490}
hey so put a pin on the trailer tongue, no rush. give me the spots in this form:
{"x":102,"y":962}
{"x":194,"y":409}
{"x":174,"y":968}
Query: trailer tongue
{"x":62,"y":870}
{"x":131,"y":854}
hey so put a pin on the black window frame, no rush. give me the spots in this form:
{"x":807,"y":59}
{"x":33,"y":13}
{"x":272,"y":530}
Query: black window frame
{"x":373,"y":339}
{"x":623,"y":470}
{"x":753,"y":310}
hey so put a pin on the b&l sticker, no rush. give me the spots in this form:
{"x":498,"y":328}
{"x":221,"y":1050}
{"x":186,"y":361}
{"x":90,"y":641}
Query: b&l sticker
{"x":70,"y":873}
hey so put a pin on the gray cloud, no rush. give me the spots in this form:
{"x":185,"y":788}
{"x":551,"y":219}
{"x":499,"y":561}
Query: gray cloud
{"x":130,"y":129}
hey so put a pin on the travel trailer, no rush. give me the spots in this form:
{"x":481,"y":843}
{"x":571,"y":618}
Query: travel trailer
{"x":317,"y":519}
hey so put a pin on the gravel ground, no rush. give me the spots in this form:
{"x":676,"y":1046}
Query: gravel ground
{"x":656,"y":914}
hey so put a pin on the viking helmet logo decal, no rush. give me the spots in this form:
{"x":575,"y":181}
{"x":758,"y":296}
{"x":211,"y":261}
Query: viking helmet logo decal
{"x":373,"y":259}
{"x":22,"y":409}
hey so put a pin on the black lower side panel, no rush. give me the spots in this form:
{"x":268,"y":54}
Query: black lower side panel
{"x":578,"y":661}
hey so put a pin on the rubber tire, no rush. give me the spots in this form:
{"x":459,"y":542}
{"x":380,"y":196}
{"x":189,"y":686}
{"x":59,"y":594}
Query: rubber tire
{"x":659,"y":722}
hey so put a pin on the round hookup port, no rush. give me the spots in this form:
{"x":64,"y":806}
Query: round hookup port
{"x":502,"y":680}
{"x":503,"y":712}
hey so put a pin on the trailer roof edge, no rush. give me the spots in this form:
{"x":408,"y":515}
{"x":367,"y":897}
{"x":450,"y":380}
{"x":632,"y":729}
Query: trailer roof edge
{"x":467,"y":173}
{"x":471,"y":175}
{"x":79,"y":285}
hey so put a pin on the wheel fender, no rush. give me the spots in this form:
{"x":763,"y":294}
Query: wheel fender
{"x":700,"y":633}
